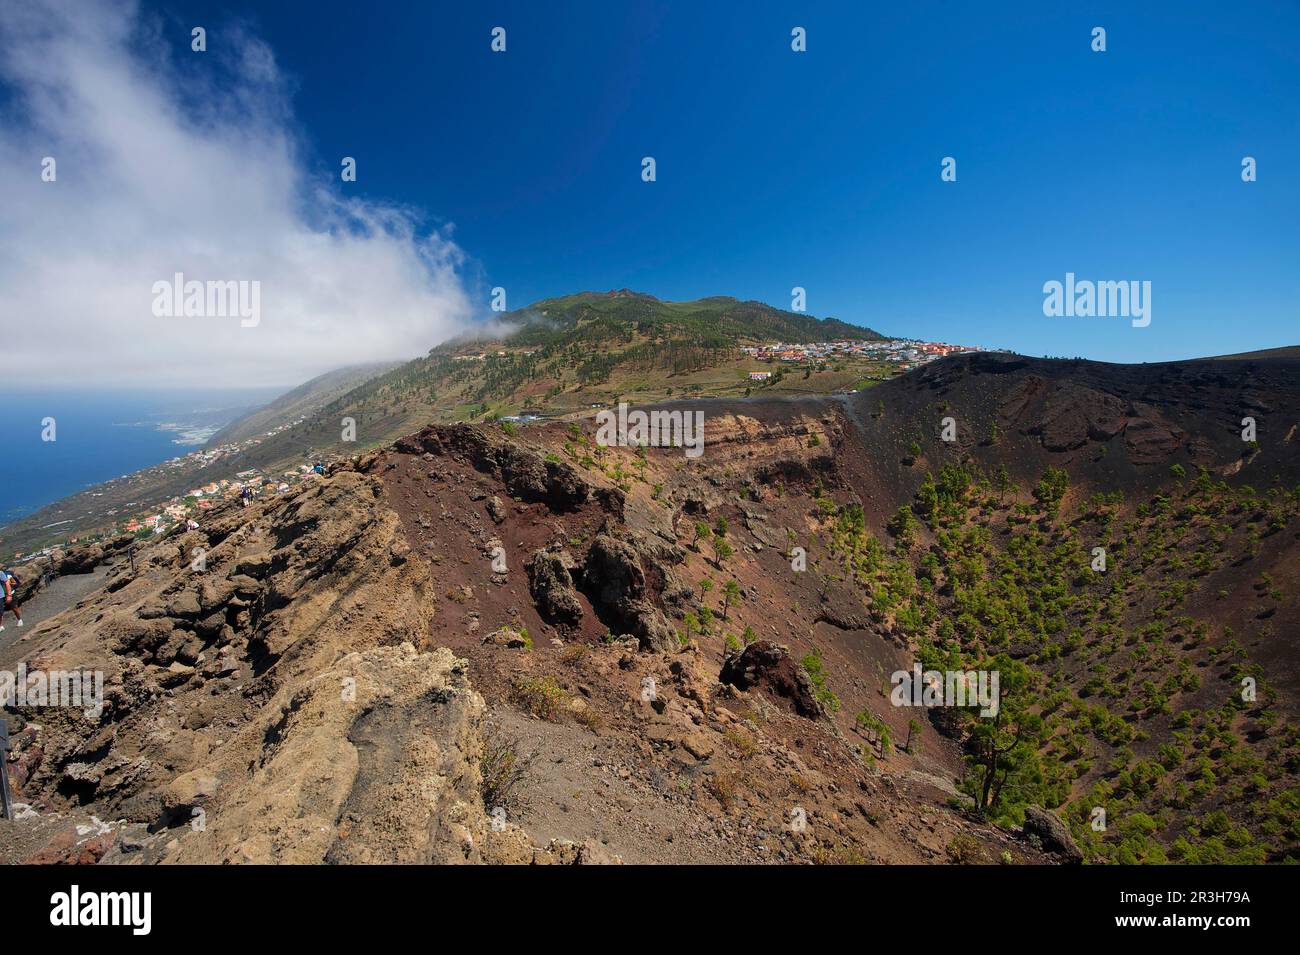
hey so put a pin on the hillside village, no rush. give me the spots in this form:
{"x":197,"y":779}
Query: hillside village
{"x":189,"y":508}
{"x":907,"y":352}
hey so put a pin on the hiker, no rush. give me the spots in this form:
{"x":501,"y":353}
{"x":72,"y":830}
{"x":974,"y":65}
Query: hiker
{"x":244,"y":495}
{"x":10,"y":583}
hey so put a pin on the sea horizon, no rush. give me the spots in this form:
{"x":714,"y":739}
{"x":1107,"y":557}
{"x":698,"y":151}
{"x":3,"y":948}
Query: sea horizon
{"x":103,"y":434}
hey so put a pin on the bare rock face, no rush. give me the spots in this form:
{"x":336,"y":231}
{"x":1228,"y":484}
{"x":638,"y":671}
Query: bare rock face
{"x":1017,"y":399}
{"x":551,"y":586}
{"x":842,"y":607}
{"x":615,"y":580}
{"x":1067,"y":415}
{"x":651,"y":628}
{"x":757,"y":524}
{"x":1054,"y":834}
{"x":34,"y":574}
{"x":613,"y":571}
{"x":526,"y":474}
{"x":565,"y":489}
{"x":1073,"y":415}
{"x":412,"y":787}
{"x":82,"y":560}
{"x":1150,"y":439}
{"x":274,"y":706}
{"x":769,"y":666}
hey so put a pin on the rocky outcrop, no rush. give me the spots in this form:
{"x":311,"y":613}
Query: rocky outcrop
{"x":615,"y":581}
{"x":613,"y":571}
{"x":526,"y":474}
{"x":507,"y":637}
{"x":1151,"y":440}
{"x":1052,"y":833}
{"x":756,"y":522}
{"x":276,"y":701}
{"x":551,"y":586}
{"x":36,"y":573}
{"x":768,"y":666}
{"x":1073,"y":415}
{"x":651,"y":628}
{"x":842,"y":607}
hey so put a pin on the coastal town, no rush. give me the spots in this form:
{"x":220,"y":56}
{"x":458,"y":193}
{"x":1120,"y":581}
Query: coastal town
{"x":187,"y":509}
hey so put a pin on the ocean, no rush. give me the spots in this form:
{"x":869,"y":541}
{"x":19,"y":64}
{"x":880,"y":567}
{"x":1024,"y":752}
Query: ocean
{"x":102,"y":435}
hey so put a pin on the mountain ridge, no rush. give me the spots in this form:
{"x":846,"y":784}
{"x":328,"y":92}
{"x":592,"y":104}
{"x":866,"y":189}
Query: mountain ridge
{"x":710,"y":317}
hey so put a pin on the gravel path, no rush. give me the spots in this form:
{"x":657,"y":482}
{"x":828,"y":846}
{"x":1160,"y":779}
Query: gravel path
{"x":58,"y":596}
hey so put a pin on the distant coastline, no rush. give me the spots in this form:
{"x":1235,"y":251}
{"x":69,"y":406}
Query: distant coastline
{"x":187,"y":433}
{"x":103,"y":436}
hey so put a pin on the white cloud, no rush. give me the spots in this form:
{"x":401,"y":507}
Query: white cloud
{"x":190,"y":167}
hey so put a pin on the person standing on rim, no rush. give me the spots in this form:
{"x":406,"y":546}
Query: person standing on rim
{"x":10,"y":584}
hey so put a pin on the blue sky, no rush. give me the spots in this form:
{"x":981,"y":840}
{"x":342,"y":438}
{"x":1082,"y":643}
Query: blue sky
{"x":822,"y":169}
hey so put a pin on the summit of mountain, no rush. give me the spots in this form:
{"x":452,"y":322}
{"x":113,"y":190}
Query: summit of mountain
{"x":719,"y":318}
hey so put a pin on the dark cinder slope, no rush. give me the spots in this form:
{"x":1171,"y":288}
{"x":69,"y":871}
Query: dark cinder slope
{"x":1112,"y":427}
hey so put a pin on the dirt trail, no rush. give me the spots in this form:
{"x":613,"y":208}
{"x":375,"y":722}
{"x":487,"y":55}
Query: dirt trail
{"x":58,"y":596}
